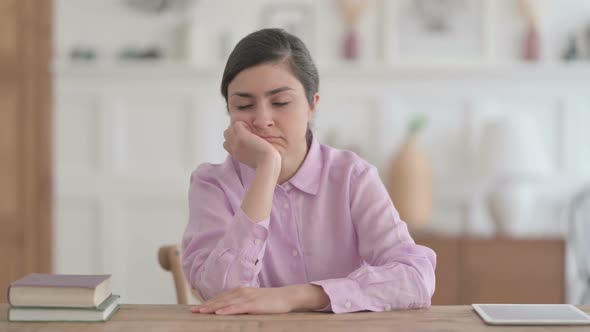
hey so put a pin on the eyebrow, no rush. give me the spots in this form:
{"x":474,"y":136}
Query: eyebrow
{"x":268,"y":93}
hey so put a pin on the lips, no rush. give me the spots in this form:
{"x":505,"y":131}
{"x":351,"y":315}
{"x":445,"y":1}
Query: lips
{"x":267,"y":136}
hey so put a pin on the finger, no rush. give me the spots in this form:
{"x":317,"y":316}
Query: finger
{"x":241,"y":127}
{"x":214,"y":307}
{"x":236,"y":129}
{"x":226,"y":133}
{"x":230,"y":135}
{"x":197,"y":308}
{"x":239,"y":123}
{"x":236,"y":309}
{"x":224,"y":299}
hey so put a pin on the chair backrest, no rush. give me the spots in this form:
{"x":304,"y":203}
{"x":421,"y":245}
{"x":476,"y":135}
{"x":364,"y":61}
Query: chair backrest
{"x":170,"y":259}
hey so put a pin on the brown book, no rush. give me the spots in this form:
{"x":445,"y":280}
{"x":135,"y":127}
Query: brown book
{"x":59,"y":290}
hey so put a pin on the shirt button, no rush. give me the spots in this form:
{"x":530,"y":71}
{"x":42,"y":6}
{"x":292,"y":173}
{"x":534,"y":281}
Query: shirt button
{"x":286,"y":205}
{"x":348,"y":305}
{"x":387,"y":307}
{"x":295,"y":253}
{"x":258,"y":241}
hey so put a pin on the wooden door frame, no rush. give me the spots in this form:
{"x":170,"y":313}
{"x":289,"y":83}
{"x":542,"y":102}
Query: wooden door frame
{"x":37,"y":136}
{"x":25,"y":59}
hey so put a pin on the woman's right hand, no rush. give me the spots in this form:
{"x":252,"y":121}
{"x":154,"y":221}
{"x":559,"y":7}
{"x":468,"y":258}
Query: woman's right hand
{"x":250,"y":149}
{"x":259,"y":154}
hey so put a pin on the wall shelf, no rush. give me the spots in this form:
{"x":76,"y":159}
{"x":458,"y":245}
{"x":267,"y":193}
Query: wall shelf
{"x":180,"y":70}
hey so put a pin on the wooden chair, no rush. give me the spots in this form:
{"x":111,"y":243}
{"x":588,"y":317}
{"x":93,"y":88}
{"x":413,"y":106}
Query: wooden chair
{"x":170,"y":259}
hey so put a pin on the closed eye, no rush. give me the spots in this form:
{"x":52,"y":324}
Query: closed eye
{"x":243,"y":107}
{"x":281,"y":104}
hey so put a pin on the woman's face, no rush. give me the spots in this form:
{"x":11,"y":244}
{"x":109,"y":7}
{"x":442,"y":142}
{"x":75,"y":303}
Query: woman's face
{"x":272,"y":101}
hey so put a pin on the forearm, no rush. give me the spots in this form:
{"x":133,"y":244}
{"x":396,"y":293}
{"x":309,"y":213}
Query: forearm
{"x":407,"y":281}
{"x":258,"y":201}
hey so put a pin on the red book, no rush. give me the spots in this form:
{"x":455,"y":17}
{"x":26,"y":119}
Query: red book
{"x":60,"y":290}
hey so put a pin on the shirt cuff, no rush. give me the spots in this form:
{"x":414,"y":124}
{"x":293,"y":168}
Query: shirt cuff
{"x":345,"y":295}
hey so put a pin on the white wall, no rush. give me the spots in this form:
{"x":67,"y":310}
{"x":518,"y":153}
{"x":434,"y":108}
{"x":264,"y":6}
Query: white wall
{"x":129,"y":135}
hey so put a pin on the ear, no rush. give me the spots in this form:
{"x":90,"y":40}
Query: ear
{"x":314,"y":105}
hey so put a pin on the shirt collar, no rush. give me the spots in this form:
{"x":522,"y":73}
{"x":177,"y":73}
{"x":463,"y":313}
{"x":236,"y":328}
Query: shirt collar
{"x":307,"y":177}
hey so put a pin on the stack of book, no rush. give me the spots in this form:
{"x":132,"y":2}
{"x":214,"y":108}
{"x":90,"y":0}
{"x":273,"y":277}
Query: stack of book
{"x":62,"y":297}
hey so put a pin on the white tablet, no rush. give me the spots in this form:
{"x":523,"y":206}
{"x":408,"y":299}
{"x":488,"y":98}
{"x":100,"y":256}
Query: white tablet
{"x":531,"y":314}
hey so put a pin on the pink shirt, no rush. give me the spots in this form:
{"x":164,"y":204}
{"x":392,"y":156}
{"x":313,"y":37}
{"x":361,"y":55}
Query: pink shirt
{"x":332,"y":224}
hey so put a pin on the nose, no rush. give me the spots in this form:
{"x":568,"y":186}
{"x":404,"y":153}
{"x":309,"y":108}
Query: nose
{"x":263,"y":117}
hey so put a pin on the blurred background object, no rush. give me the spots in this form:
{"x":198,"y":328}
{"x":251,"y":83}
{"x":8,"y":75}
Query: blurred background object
{"x":531,"y":48}
{"x":81,"y":53}
{"x":134,"y":53}
{"x":158,"y":6}
{"x":514,"y":157}
{"x":410,"y":178}
{"x":579,"y":246}
{"x":352,"y":13}
{"x":437,"y":15}
{"x":439,"y":32}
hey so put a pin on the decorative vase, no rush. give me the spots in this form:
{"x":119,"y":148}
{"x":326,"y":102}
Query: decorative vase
{"x":352,"y":12}
{"x":351,"y":49}
{"x":531,"y":46}
{"x":410,"y":184}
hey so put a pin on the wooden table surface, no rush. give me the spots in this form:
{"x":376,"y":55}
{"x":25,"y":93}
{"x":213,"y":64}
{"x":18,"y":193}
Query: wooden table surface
{"x":140,"y":317}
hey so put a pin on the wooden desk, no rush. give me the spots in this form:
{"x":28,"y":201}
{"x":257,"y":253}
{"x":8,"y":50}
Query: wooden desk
{"x":497,"y":270}
{"x":178,"y":318}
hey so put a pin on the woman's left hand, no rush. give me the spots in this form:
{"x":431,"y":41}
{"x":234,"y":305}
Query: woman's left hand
{"x":246,"y":300}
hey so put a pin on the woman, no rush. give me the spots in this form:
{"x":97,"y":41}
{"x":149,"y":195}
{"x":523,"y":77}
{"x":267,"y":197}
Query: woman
{"x":286,"y":223}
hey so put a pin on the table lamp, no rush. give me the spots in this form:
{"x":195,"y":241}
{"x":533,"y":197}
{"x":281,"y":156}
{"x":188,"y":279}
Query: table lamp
{"x":514,"y":158}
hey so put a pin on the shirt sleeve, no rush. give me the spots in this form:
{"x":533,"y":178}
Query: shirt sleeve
{"x":221,"y":249}
{"x":399,"y":274}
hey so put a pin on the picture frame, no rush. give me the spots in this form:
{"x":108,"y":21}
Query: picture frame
{"x":438,"y":32}
{"x":297,"y":19}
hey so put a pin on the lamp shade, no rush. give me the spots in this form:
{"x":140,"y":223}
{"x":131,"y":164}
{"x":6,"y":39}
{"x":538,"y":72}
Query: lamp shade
{"x":512,"y":146}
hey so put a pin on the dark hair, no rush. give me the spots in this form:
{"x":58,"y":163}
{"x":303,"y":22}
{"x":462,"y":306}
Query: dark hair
{"x":273,"y":45}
